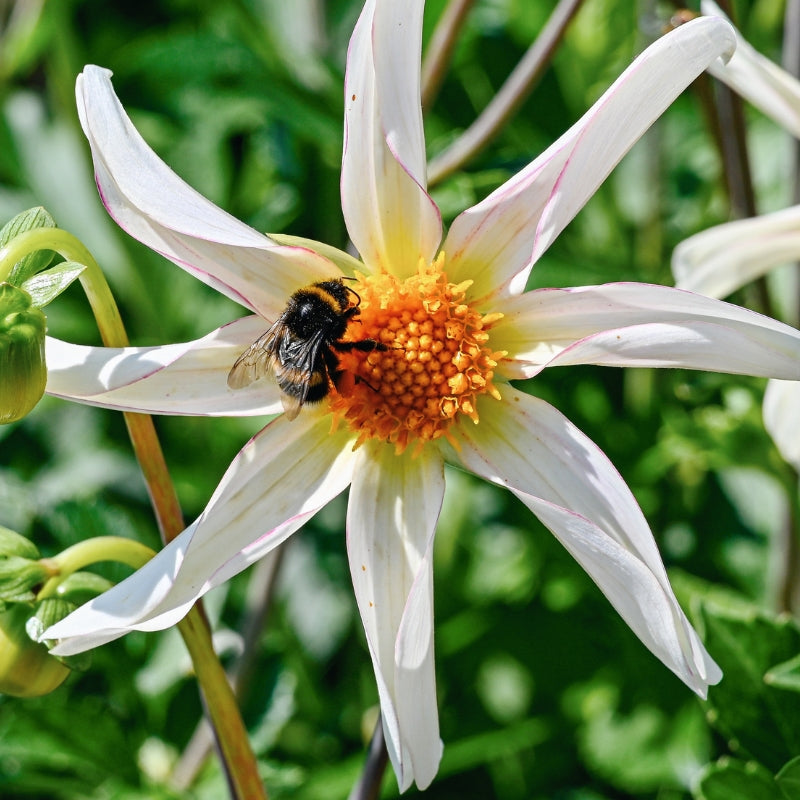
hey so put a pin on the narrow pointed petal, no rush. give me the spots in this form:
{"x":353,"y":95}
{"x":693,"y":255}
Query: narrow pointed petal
{"x":759,"y":80}
{"x":496,"y":242}
{"x":530,"y":448}
{"x":391,"y":519}
{"x":641,"y":325}
{"x":149,"y":201}
{"x":179,"y":379}
{"x":279,"y":480}
{"x":726,"y":257}
{"x":390,"y":217}
{"x":782,"y":418}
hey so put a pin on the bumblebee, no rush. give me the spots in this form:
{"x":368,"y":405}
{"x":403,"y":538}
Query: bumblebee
{"x":300,"y":348}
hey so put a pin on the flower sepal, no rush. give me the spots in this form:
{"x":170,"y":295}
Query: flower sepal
{"x":21,"y":571}
{"x":22,"y":359}
{"x":346,"y":263}
{"x":26,"y":667}
{"x":54,"y":609}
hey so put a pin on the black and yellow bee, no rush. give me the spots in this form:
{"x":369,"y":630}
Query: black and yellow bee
{"x":299,"y":349}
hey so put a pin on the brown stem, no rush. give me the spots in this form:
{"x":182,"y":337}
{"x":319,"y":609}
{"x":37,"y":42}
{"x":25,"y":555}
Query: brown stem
{"x":369,"y":784}
{"x":260,"y":592}
{"x":509,"y":98}
{"x":787,"y":595}
{"x":236,"y":755}
{"x":440,"y":48}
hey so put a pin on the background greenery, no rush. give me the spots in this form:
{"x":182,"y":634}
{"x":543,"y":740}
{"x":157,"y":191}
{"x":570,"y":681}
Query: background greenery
{"x":543,"y":691}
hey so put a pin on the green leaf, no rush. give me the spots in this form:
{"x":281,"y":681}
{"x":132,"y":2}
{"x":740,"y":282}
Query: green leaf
{"x":45,"y":286}
{"x":788,"y":779}
{"x":80,"y":587}
{"x":13,"y":544}
{"x":731,"y":779}
{"x":18,"y":577}
{"x":785,"y":675}
{"x":646,"y":748}
{"x":758,"y":717}
{"x":33,"y":262}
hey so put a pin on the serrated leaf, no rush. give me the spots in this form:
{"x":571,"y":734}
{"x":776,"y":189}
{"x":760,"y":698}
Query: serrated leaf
{"x":731,"y":779}
{"x":45,"y":286}
{"x":757,"y":718}
{"x":33,"y":262}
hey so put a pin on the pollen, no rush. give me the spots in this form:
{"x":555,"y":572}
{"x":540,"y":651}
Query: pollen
{"x":436,"y":363}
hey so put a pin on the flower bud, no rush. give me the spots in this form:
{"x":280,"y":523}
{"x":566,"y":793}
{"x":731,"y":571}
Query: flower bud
{"x":23,"y":372}
{"x":26,"y":668}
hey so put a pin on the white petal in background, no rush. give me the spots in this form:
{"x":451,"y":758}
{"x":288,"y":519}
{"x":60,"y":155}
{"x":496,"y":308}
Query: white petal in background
{"x":149,"y":201}
{"x":782,"y":418}
{"x":641,"y":325}
{"x":759,"y":80}
{"x":180,"y":379}
{"x":254,"y":509}
{"x":529,"y":447}
{"x":724,"y":258}
{"x":496,"y":242}
{"x":391,"y":519}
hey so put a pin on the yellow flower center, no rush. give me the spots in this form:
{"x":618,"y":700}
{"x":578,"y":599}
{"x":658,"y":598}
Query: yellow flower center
{"x":436,"y":362}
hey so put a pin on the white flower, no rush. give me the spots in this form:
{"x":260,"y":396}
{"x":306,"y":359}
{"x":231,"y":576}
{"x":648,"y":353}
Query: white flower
{"x":457,"y":326}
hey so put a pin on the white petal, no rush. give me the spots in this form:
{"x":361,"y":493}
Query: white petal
{"x":641,"y":325}
{"x":149,"y":201}
{"x":279,"y":480}
{"x":391,"y":519}
{"x":524,"y":444}
{"x":390,"y":217}
{"x":760,"y":81}
{"x":724,"y":258}
{"x":782,"y":418}
{"x":496,"y":242}
{"x":179,"y":379}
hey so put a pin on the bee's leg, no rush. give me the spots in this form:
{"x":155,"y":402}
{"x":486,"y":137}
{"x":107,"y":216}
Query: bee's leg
{"x":334,"y":370}
{"x":364,"y":345}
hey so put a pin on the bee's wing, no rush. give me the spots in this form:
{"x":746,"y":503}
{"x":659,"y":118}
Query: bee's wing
{"x":296,"y":370}
{"x":258,"y":360}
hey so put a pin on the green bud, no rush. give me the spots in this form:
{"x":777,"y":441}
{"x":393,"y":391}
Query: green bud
{"x":48,"y":612}
{"x":19,"y":577}
{"x":81,"y":587}
{"x":26,"y":667}
{"x":13,"y":544}
{"x":23,"y":372}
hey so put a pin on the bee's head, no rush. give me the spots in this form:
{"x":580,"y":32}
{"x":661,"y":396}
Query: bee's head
{"x":344,"y":296}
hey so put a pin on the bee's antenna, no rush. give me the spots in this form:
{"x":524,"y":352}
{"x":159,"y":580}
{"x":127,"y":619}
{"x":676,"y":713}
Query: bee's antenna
{"x":353,"y":291}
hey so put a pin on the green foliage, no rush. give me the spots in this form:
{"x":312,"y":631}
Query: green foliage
{"x":757,"y":716}
{"x":544,"y":694}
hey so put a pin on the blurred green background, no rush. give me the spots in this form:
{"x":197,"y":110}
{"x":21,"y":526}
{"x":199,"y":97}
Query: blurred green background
{"x":544,"y":693}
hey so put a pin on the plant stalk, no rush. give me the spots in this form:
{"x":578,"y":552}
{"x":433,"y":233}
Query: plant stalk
{"x":220,"y":703}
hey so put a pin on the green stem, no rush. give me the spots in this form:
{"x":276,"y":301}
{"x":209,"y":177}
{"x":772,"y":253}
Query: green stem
{"x":104,"y":307}
{"x":221,"y":707}
{"x":91,"y":551}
